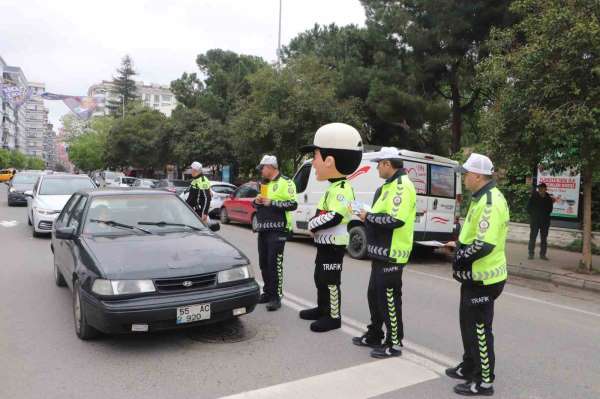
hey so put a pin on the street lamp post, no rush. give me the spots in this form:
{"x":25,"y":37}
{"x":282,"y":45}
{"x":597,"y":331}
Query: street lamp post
{"x":279,"y":40}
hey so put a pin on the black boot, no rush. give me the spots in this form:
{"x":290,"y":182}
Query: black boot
{"x":310,"y":314}
{"x":325,"y":324}
{"x":386,"y":351}
{"x":264,"y":298}
{"x":474,"y":389}
{"x":274,"y":304}
{"x":368,"y":340}
{"x":458,"y":373}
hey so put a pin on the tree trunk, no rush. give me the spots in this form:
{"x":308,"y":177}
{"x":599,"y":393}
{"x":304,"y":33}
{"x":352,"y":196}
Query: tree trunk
{"x":456,"y":115}
{"x":586,"y":260}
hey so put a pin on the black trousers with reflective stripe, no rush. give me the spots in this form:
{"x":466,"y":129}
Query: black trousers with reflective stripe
{"x":328,"y":276}
{"x":385,"y":301}
{"x":476,"y":317}
{"x":270,"y":259}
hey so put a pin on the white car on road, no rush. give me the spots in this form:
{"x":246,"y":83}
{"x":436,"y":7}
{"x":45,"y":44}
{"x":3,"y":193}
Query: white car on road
{"x":219,"y":190}
{"x":49,"y":196}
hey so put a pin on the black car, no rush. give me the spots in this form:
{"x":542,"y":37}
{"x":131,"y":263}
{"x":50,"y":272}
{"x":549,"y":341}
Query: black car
{"x":141,"y":260}
{"x":22,"y":182}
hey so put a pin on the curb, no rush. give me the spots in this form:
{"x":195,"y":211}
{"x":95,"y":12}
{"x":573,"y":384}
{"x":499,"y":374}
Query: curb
{"x":556,"y":278}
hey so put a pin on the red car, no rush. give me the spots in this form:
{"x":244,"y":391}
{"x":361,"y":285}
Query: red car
{"x":238,"y":207}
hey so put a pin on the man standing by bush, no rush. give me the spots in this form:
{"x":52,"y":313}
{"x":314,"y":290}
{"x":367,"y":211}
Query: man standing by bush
{"x":539,"y":208}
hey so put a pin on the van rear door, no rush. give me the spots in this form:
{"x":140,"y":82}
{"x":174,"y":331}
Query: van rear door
{"x":441,"y":202}
{"x":418,"y":173}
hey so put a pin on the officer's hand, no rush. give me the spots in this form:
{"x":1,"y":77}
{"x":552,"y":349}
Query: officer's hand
{"x":266,"y":202}
{"x":205,"y":218}
{"x":362,"y":215}
{"x":449,"y":248}
{"x":258,"y":199}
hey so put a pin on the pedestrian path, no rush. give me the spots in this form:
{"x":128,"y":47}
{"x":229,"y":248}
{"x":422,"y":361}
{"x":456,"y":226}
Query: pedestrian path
{"x":560,"y":269}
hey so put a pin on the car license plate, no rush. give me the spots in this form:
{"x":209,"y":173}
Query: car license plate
{"x":192,"y":313}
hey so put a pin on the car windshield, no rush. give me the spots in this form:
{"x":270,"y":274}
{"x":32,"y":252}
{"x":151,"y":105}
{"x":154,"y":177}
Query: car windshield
{"x":132,"y":209}
{"x":180,"y":183}
{"x":223,"y":189}
{"x":25,"y":178}
{"x":64,"y":185}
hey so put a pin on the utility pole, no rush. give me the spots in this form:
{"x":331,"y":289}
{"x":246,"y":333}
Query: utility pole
{"x":279,"y":40}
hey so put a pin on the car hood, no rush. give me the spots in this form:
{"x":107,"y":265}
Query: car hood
{"x":22,"y":187}
{"x":162,"y":256}
{"x":54,"y":202}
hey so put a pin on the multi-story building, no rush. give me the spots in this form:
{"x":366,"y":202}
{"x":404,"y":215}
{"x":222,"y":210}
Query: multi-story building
{"x":36,"y":121}
{"x":153,"y":95}
{"x":12,"y":122}
{"x":50,"y":147}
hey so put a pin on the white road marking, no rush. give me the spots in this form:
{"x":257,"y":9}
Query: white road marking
{"x":420,"y":354}
{"x":524,"y":297}
{"x":358,"y":382}
{"x":8,"y":223}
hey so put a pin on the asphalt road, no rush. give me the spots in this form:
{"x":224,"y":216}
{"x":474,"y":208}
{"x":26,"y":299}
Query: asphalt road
{"x":547,"y":338}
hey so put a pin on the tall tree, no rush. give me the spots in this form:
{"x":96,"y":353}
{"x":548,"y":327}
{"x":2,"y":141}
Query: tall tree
{"x":545,"y":76}
{"x":87,"y":151}
{"x":446,"y":39}
{"x":123,"y":88}
{"x":370,"y":67}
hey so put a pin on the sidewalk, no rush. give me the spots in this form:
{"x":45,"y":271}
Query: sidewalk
{"x":560,"y":269}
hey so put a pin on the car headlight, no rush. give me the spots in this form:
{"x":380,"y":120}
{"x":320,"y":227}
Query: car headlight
{"x":43,"y":211}
{"x":235,"y":274}
{"x":122,"y":287}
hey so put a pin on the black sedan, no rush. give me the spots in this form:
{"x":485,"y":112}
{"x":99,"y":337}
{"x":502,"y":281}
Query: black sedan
{"x":141,"y":260}
{"x":22,"y":182}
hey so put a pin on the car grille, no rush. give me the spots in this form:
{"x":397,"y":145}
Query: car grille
{"x":185,"y":284}
{"x":44,"y":225}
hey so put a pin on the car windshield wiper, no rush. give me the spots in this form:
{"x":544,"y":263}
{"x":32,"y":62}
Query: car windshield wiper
{"x":113,"y":223}
{"x":162,"y":224}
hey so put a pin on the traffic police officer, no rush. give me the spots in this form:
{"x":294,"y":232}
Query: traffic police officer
{"x":337,"y":149}
{"x":480,"y":266}
{"x":390,"y":229}
{"x":199,"y":196}
{"x":274,"y":224}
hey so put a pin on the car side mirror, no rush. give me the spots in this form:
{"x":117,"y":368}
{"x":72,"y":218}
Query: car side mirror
{"x":214,"y":226}
{"x":65,"y":233}
{"x":28,"y":193}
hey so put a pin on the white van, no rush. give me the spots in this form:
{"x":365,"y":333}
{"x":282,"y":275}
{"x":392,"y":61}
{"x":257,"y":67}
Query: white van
{"x":436,"y":181}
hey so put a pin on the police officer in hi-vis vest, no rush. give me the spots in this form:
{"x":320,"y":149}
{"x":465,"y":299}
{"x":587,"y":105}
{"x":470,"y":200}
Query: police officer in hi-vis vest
{"x":199,"y":195}
{"x":337,"y":151}
{"x":274,"y":208}
{"x":390,"y":228}
{"x":480,"y":266}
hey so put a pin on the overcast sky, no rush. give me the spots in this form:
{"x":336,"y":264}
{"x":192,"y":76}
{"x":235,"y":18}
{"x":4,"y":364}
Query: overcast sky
{"x":69,"y":45}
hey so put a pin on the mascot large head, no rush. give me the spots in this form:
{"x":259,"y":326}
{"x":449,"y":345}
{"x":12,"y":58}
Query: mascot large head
{"x":337,"y":150}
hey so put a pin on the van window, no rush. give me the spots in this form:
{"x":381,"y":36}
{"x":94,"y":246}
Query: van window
{"x":301,"y":178}
{"x":417,"y":173}
{"x":443,"y":181}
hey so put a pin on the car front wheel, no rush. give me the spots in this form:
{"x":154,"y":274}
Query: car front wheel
{"x":59,"y":280}
{"x":83,"y":330}
{"x":254,"y":223}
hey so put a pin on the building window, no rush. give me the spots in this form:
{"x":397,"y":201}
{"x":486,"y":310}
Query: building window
{"x":166,"y":98}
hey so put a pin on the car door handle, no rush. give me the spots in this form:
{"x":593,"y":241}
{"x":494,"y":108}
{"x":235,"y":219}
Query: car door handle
{"x":305,"y":198}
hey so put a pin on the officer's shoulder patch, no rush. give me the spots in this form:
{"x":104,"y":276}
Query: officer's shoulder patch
{"x":340,"y":198}
{"x":275,"y":187}
{"x":290,"y":190}
{"x":397,"y":200}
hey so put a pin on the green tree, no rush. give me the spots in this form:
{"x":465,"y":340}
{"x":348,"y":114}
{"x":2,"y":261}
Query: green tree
{"x":446,"y":41}
{"x":284,"y":109}
{"x":123,"y":88}
{"x":4,"y":158}
{"x":18,"y":160}
{"x":134,"y":140}
{"x":73,"y":126}
{"x":544,"y":74}
{"x":370,"y":67}
{"x":35,"y":163}
{"x":88,"y":150}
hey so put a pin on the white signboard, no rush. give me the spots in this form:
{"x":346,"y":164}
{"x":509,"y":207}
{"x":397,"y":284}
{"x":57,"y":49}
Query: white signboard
{"x":564,"y":188}
{"x":417,"y":173}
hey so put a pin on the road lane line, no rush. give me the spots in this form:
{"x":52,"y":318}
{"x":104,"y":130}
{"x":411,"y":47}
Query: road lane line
{"x":420,"y":354}
{"x":358,"y":382}
{"x":524,"y":297}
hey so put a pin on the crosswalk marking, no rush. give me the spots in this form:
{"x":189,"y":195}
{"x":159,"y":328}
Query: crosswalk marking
{"x":358,"y":382}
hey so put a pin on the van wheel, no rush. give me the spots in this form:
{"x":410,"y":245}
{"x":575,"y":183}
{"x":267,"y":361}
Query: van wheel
{"x":223,"y":217}
{"x":357,"y":247}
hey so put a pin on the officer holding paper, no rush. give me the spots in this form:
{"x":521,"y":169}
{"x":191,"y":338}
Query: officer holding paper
{"x":390,"y":228}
